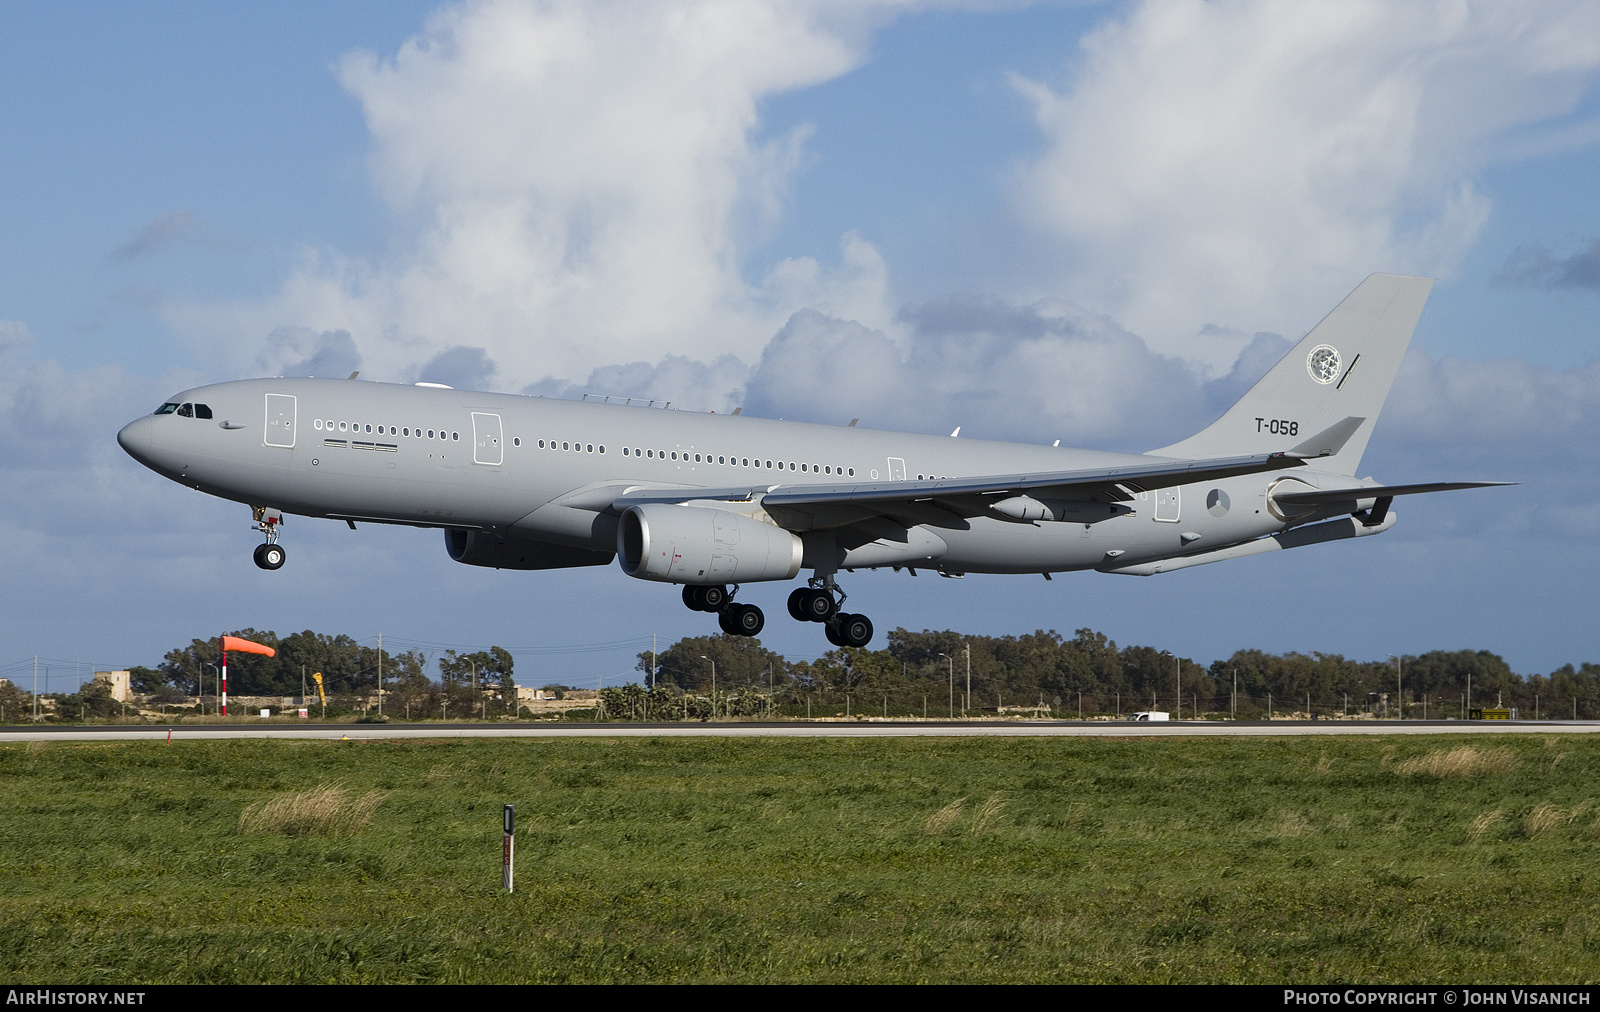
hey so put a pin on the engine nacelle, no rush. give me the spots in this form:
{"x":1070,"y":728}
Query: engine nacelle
{"x":703,"y":545}
{"x":477,"y":548}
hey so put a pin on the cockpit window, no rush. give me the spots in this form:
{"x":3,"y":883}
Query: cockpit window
{"x":186,"y":411}
{"x":202,"y":411}
{"x":167,"y":408}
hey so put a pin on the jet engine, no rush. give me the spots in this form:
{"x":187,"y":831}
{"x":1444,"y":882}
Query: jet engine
{"x":703,"y":545}
{"x":479,"y":548}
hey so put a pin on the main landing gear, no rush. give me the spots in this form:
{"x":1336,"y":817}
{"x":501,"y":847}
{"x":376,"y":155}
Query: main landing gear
{"x":734,"y":618}
{"x":270,"y":555}
{"x":816,"y":603}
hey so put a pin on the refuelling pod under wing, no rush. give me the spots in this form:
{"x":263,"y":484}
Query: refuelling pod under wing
{"x":703,"y":545}
{"x":480,"y":548}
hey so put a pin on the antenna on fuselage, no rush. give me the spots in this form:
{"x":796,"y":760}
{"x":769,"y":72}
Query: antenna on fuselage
{"x":355,"y":374}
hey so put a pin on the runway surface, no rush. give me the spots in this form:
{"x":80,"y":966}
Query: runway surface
{"x":797,"y":729}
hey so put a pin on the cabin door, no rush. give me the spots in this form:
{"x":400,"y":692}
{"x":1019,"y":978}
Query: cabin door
{"x":488,"y":442}
{"x":280,"y":420}
{"x":1168,"y":503}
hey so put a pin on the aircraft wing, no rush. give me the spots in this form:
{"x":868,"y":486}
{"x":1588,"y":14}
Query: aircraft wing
{"x":949,"y":503}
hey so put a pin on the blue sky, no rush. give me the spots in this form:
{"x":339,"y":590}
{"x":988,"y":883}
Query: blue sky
{"x":638,"y":198}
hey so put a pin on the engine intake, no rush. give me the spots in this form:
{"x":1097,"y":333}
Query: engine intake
{"x":703,"y":545}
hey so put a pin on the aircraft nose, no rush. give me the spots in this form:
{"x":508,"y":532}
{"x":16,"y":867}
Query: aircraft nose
{"x":135,"y":438}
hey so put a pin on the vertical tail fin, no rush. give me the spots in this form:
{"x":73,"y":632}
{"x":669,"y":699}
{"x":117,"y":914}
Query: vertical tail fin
{"x":1342,"y":369}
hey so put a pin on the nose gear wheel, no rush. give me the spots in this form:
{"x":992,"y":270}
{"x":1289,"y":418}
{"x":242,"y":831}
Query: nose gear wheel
{"x":270,"y":555}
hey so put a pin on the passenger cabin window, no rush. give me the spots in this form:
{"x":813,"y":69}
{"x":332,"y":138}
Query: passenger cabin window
{"x":167,"y":408}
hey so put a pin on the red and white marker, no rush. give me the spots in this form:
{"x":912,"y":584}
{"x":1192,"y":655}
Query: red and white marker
{"x":241,"y":646}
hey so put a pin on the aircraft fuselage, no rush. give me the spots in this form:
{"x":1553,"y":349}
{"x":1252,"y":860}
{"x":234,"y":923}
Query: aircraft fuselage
{"x":447,"y":458}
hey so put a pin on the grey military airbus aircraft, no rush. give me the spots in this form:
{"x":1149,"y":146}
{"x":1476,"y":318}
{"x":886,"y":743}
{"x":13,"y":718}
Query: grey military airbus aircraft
{"x":711,"y":501}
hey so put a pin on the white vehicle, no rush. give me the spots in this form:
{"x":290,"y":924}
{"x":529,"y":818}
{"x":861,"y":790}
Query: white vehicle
{"x":1150,"y":715}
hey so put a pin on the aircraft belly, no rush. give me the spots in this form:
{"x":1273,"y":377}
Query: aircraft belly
{"x":994,"y":546}
{"x":568,"y":525}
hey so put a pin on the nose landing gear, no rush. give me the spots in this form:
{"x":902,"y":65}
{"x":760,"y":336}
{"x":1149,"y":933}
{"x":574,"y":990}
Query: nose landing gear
{"x":815,"y":603}
{"x":734,"y":619}
{"x":270,"y":555}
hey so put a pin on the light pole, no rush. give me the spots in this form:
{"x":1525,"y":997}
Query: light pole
{"x":1168,"y":653}
{"x":214,"y":674}
{"x":952,"y":661}
{"x":966,"y":704}
{"x":713,"y":664}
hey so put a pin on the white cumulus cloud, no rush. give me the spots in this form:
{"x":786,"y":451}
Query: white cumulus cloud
{"x":1235,"y":162}
{"x":578,"y":184}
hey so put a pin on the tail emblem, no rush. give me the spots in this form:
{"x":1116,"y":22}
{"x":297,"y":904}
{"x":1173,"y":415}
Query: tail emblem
{"x":1323,"y":363}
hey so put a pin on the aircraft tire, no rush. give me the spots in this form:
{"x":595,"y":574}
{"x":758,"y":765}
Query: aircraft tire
{"x":819,"y":606}
{"x":689,"y":598}
{"x":712,"y":598}
{"x":725,"y":622}
{"x":748,"y":620}
{"x":831,"y":631}
{"x":270,"y":556}
{"x":796,"y":604}
{"x":855,"y":630}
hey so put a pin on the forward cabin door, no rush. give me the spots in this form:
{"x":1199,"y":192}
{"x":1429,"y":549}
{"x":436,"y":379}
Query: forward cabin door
{"x":280,"y":420}
{"x":488,"y":442}
{"x":897,"y":469}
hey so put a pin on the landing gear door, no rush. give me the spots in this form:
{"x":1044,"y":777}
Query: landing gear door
{"x":488,"y":442}
{"x":280,"y":420}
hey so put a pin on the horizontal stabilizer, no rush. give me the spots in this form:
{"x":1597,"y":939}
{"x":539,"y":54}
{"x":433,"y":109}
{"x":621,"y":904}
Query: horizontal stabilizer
{"x":1329,"y":441}
{"x":1335,"y":496}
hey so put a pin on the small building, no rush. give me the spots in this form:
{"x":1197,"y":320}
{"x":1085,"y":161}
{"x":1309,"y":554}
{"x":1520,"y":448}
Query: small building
{"x":119,"y":682}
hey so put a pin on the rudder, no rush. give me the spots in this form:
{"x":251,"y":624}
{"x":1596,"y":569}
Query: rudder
{"x":1344,"y":367}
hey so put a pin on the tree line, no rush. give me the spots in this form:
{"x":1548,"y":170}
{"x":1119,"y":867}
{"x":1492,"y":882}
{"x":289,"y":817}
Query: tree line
{"x":1089,"y":670}
{"x":348,"y":668}
{"x":931,"y":669}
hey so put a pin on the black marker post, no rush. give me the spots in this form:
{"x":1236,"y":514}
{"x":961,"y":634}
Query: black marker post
{"x":508,"y":851}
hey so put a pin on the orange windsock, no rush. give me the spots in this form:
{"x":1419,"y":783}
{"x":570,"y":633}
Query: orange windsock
{"x":233,"y":644}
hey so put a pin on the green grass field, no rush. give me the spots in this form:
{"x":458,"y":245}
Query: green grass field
{"x":1348,"y":859}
